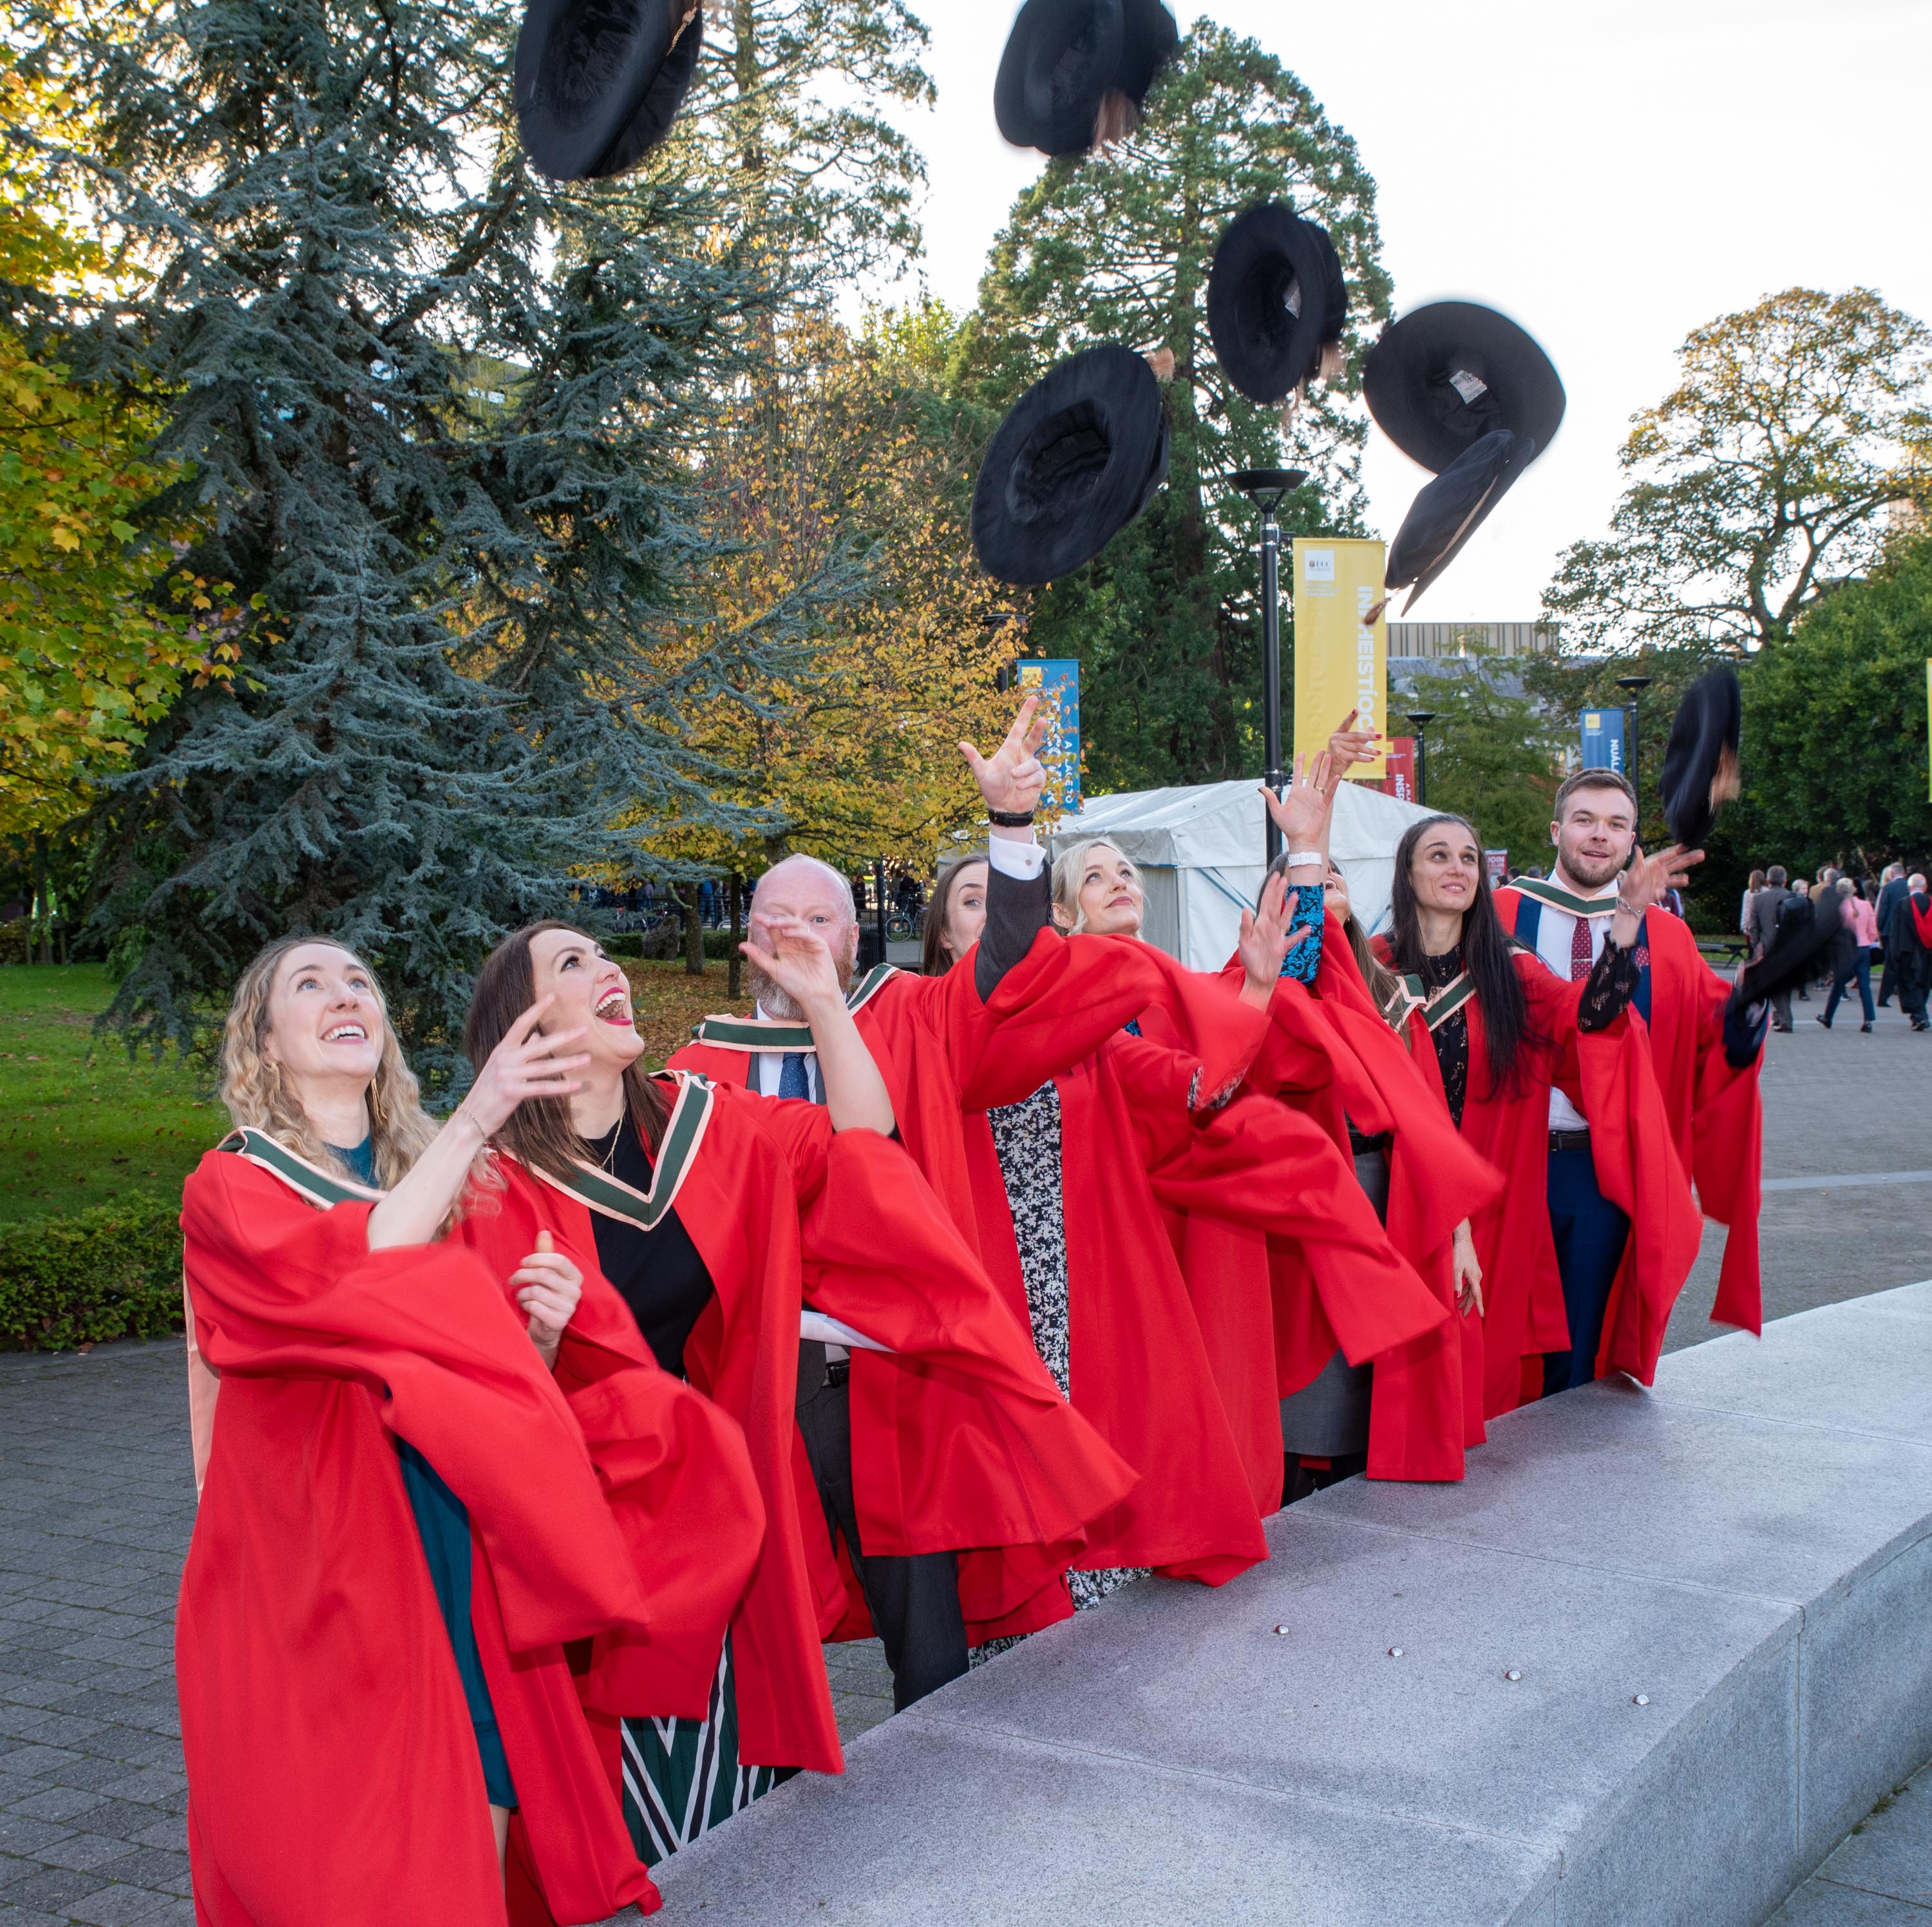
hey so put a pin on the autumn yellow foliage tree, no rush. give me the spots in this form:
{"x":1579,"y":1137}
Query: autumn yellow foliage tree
{"x":849,"y":477}
{"x":99,"y":630}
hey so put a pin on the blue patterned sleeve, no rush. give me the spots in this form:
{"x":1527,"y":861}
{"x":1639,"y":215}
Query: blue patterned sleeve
{"x":1302,"y":963}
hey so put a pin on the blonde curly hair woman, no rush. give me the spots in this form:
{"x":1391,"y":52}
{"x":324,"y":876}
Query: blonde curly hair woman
{"x":400,"y":1522}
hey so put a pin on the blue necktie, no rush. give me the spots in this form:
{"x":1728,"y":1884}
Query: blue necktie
{"x":792,"y":1082}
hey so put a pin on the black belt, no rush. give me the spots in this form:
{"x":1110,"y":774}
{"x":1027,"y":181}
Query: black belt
{"x":1361,"y":1146}
{"x":1569,"y":1140}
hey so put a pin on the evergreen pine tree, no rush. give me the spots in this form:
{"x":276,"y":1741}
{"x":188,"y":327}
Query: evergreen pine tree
{"x":441,"y":418}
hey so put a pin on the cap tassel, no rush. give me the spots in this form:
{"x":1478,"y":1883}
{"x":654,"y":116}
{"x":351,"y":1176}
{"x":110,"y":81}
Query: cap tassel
{"x":1118,"y":117}
{"x":1161,"y":360}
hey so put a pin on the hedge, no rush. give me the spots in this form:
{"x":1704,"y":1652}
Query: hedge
{"x":112,"y":1271}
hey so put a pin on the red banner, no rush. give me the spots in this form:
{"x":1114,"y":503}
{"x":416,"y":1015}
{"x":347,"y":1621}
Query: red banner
{"x":1400,"y":781}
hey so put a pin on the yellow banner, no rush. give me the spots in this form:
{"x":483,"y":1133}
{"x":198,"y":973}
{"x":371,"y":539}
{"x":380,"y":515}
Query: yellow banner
{"x":1341,"y":662}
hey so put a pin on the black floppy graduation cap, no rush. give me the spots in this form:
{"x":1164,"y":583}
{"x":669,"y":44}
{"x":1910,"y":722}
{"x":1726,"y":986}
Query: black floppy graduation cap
{"x":1077,"y":458}
{"x":1448,"y":511}
{"x":1063,"y":57}
{"x":1793,"y":953}
{"x":1700,"y":760}
{"x":598,"y":84}
{"x":1447,"y":374}
{"x":1276,"y":298}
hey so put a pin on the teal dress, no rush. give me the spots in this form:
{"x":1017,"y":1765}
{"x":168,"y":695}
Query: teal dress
{"x":443,"y":1524}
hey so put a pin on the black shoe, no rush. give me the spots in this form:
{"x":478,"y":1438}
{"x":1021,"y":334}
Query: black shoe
{"x":1826,"y":1020}
{"x":1864,"y":1026}
{"x":1785,"y":1028}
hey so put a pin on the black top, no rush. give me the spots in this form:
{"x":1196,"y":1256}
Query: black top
{"x":658,"y":1273}
{"x":358,"y":1159}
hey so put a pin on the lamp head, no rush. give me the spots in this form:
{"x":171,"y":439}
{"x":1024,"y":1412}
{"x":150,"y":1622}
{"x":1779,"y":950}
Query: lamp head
{"x":1421,"y":719}
{"x":1265,"y":487}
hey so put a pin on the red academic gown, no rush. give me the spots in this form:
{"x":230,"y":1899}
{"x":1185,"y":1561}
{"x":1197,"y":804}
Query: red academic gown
{"x":1140,"y":1372}
{"x":1709,"y":1128}
{"x":1279,"y":1257}
{"x":974,"y":1449}
{"x":333,"y":1770}
{"x":1334,"y":1055}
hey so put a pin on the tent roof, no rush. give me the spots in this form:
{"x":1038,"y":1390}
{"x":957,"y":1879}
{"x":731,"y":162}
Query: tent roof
{"x":1213,"y":825}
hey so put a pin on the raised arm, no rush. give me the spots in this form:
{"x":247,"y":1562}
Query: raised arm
{"x":1019,"y":891}
{"x":795,"y":957}
{"x":527,"y":1064}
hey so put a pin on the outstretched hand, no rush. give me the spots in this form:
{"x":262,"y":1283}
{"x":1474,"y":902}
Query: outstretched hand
{"x":1648,"y":878}
{"x":529,"y":1063}
{"x":1013,"y":778}
{"x":794,"y":957}
{"x":1349,"y":745}
{"x":1301,"y":812}
{"x":1265,"y":941}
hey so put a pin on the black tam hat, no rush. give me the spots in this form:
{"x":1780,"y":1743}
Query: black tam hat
{"x":1446,"y":375}
{"x":598,"y":82}
{"x":1077,"y":458}
{"x":1792,"y":956}
{"x":1700,"y":760}
{"x":1064,"y":57}
{"x":1448,"y":511}
{"x":1276,"y":298}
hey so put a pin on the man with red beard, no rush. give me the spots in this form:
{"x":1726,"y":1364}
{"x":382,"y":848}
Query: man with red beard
{"x":1705,"y":1053}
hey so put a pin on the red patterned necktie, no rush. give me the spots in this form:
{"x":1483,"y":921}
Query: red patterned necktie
{"x":1580,"y":959}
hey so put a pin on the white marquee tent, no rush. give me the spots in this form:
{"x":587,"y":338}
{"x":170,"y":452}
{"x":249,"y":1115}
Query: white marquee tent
{"x":1199,"y":850}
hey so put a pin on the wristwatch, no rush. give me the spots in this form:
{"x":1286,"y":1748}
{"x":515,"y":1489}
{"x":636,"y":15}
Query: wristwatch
{"x":1010,"y":819}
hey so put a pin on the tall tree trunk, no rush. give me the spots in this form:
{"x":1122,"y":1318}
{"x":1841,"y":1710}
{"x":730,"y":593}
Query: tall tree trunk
{"x":694,"y":931}
{"x":734,"y":965}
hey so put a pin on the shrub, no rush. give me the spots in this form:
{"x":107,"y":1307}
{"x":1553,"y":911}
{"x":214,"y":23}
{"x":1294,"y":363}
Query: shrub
{"x":113,"y":1271}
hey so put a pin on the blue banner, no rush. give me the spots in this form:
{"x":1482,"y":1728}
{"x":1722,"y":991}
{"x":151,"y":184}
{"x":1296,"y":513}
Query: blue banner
{"x":1058,"y":685}
{"x":1603,"y":735}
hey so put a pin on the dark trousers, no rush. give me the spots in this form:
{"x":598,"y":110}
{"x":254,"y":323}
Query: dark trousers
{"x":1590,"y":1232}
{"x":1915,"y":967}
{"x":1858,"y":967}
{"x":914,"y":1602}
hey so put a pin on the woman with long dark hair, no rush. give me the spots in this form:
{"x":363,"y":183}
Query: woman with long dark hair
{"x":717,"y":1213}
{"x":1493,"y":1028}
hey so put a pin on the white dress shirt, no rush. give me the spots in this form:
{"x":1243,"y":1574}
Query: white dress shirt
{"x":1554,"y":935}
{"x":768,"y":1066}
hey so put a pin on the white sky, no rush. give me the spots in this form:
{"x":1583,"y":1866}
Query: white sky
{"x":1611,"y":173}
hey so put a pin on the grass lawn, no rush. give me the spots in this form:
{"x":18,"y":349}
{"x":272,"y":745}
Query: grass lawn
{"x":84,"y":1124}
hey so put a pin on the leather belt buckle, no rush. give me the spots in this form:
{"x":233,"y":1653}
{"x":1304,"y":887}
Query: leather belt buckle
{"x":837,"y":1371}
{"x":1569,"y":1140}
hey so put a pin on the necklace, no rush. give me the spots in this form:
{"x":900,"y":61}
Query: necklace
{"x":609,"y":1160}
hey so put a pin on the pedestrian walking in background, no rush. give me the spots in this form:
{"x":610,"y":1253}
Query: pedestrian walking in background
{"x":1892,"y":887}
{"x":1853,"y":959}
{"x":1751,"y":889}
{"x":1776,"y":900}
{"x":1910,"y":931}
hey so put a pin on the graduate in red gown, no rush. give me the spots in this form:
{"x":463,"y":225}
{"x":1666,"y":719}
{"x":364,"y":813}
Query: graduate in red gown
{"x":1499,"y":1030}
{"x":734,"y":1226}
{"x":1703,"y":1052}
{"x":404,"y":1515}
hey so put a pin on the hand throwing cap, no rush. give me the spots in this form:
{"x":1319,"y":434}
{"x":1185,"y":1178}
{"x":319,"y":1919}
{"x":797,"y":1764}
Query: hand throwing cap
{"x":1446,"y":375}
{"x":599,"y":82}
{"x":1063,"y":57}
{"x":1077,"y":458}
{"x":1448,"y":511}
{"x":1275,"y":297}
{"x":1700,"y":760}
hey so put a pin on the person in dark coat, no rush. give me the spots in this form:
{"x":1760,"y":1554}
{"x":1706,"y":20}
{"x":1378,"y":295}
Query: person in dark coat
{"x":1909,"y":941}
{"x":1776,"y":900}
{"x":1890,"y":890}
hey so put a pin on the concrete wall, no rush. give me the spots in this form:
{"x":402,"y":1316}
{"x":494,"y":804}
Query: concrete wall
{"x":1746,"y":1550}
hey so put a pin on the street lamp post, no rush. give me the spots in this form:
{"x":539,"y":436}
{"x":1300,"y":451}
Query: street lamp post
{"x":1264,"y":487}
{"x":1636,"y":685}
{"x":1419,"y":721}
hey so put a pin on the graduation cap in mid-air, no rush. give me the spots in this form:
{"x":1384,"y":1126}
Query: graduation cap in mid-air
{"x":598,"y":82}
{"x":1448,"y":511}
{"x":1447,"y":374}
{"x":1075,"y":72}
{"x":1791,"y":958}
{"x":1077,"y":458}
{"x":1700,"y":760}
{"x":1275,"y":299}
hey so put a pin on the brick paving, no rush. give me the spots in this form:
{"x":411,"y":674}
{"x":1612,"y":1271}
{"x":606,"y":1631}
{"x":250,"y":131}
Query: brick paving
{"x":97,"y":1502}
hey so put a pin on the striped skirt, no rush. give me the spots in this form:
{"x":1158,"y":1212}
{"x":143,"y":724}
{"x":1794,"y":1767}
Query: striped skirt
{"x":683,"y":1777}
